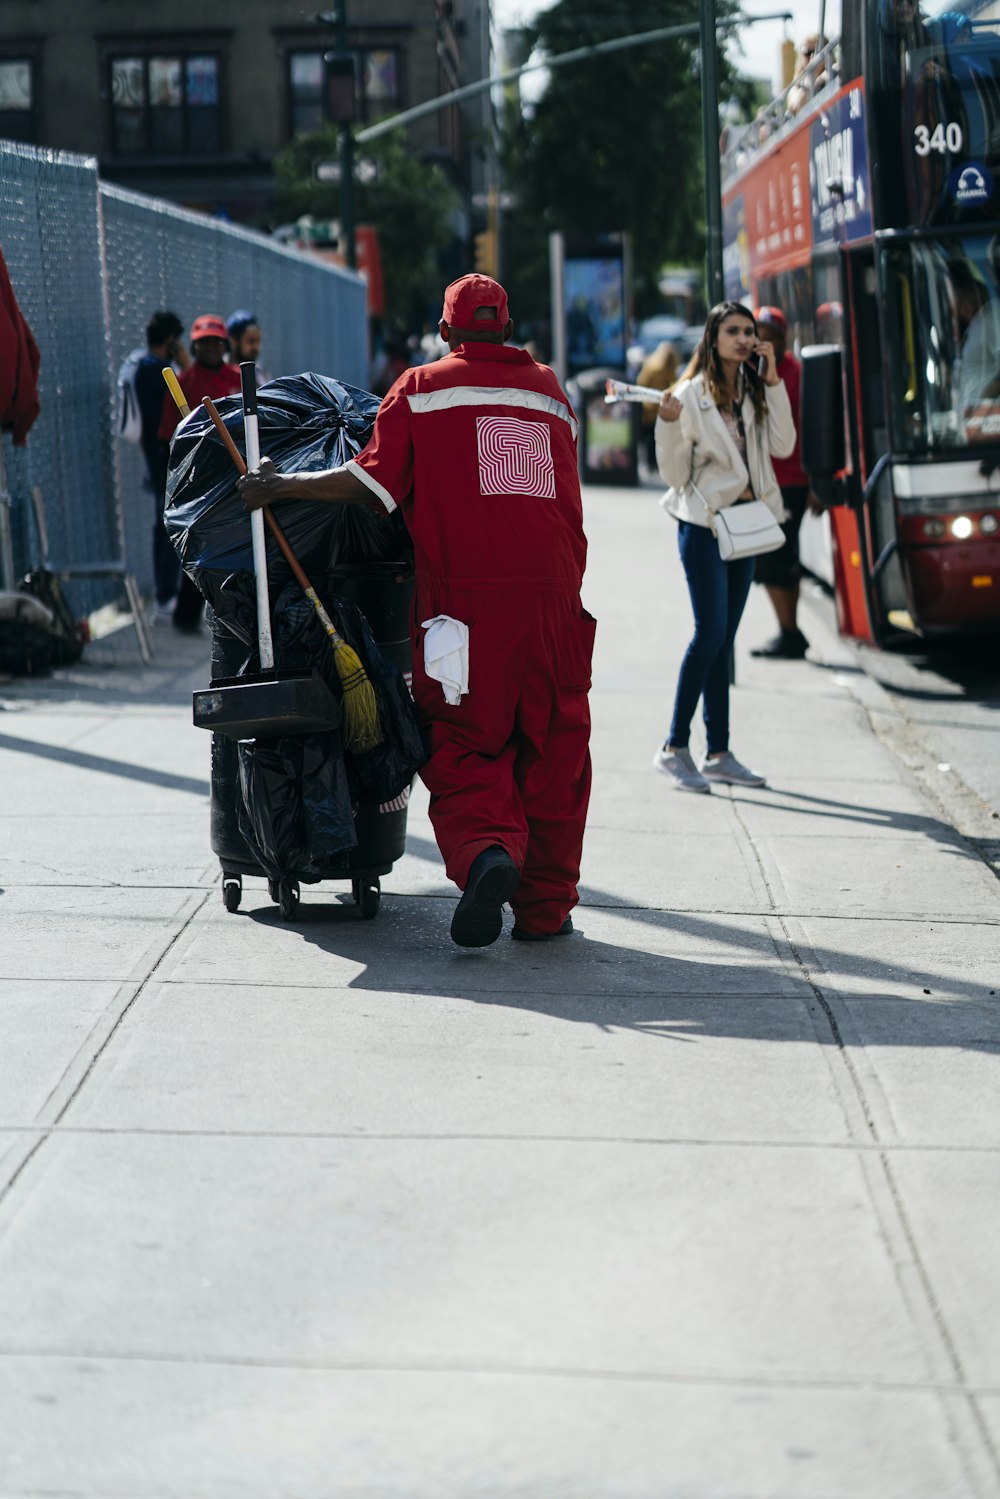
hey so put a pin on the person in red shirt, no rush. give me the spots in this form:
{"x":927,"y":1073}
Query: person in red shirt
{"x":209,"y":375}
{"x":779,"y":571}
{"x":478,"y":449}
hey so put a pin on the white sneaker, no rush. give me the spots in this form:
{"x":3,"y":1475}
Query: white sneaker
{"x":162,"y":614}
{"x":678,"y":765}
{"x":728,"y":770}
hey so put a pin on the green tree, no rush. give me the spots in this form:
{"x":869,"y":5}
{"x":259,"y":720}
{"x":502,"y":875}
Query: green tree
{"x":614,"y":143}
{"x":411,"y":203}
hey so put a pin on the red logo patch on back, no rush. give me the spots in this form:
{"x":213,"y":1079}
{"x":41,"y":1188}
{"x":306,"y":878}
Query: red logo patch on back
{"x":515,"y":457}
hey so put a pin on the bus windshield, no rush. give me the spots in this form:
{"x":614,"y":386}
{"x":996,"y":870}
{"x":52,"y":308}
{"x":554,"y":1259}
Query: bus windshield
{"x":937,"y":71}
{"x":943,"y":341}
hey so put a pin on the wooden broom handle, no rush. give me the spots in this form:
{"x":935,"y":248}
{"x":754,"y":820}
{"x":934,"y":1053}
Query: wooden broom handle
{"x":239,"y":463}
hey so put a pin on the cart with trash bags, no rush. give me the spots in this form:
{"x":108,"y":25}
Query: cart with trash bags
{"x":291,"y":800}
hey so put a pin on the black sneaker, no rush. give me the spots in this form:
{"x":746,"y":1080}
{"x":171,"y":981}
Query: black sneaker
{"x":478,"y":918}
{"x":787,"y":645}
{"x":520,"y":935}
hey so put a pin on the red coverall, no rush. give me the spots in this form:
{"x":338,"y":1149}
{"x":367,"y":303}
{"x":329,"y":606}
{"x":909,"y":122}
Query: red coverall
{"x":479,"y":450}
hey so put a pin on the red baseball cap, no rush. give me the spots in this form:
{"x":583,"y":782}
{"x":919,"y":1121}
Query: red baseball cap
{"x":209,"y":327}
{"x":772,"y":315}
{"x":475,"y":302}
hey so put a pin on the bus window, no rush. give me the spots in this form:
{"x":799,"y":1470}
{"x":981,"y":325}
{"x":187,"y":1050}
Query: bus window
{"x":828,"y":314}
{"x":943,"y":305}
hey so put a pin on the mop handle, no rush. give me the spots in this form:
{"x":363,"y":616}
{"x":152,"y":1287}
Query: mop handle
{"x":265,"y":648}
{"x":617,"y":390}
{"x":298,"y":570}
{"x":174,"y":387}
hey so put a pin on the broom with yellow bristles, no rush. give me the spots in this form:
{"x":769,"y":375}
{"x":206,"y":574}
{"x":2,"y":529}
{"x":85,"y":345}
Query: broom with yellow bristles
{"x":362,"y":728}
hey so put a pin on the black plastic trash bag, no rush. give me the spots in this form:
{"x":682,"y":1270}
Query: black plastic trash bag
{"x":307,"y":422}
{"x":301,"y":644}
{"x":295,"y":804}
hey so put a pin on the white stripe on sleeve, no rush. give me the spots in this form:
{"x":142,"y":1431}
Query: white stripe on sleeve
{"x":373,"y":484}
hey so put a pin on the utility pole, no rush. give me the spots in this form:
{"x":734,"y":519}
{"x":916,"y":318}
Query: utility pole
{"x":342,"y":108}
{"x":714,"y":283}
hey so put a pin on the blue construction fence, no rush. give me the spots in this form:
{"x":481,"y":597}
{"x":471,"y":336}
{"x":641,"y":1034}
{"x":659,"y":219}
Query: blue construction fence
{"x":89,"y":263}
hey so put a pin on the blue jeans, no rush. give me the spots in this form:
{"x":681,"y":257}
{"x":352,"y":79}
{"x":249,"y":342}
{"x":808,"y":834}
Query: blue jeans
{"x":719,"y":592}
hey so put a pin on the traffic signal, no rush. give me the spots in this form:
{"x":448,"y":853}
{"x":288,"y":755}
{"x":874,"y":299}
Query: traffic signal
{"x":341,"y":91}
{"x":485,"y":257}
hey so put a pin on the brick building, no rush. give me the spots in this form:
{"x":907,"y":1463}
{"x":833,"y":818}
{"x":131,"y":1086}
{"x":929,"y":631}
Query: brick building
{"x":192,"y":100}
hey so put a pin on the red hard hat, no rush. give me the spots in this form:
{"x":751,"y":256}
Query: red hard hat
{"x":772,"y":315}
{"x":209,"y":326}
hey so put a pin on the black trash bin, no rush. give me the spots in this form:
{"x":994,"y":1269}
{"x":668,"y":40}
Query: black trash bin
{"x":311,"y":422}
{"x":385,"y":599}
{"x":608,"y":443}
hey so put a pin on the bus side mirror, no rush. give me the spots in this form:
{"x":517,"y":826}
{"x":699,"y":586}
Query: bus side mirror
{"x":821,"y":418}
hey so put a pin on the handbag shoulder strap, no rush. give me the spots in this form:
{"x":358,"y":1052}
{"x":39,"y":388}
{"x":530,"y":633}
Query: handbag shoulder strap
{"x":692,"y":488}
{"x":738,"y":414}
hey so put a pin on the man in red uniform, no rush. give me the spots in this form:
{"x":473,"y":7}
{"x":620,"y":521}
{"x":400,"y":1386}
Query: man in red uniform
{"x":479,"y":451}
{"x":780,"y":571}
{"x":209,"y":375}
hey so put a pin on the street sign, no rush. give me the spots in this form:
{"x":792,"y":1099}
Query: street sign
{"x":328,"y":172}
{"x":503,"y":200}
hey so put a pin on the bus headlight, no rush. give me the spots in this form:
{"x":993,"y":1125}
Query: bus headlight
{"x":988,"y":524}
{"x":961,"y":528}
{"x":933,"y":529}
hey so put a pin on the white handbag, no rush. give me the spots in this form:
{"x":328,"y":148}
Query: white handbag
{"x":746,"y":529}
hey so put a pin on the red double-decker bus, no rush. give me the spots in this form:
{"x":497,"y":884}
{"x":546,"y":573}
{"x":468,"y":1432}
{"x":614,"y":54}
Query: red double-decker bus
{"x":864,"y":202}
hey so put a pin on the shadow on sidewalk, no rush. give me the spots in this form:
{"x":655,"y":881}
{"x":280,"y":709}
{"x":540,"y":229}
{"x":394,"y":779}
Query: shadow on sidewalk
{"x":881,"y":818}
{"x":111,"y":674}
{"x":126,"y":769}
{"x":674,"y":976}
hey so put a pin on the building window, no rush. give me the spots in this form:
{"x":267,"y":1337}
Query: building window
{"x":381,"y":82}
{"x":166,"y":105}
{"x":17,"y":99}
{"x":306,"y":91}
{"x":378,"y":87}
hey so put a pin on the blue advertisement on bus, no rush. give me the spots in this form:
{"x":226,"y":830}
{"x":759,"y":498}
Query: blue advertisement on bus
{"x":839,"y":176}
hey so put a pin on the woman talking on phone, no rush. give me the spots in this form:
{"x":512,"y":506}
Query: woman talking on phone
{"x":715,"y":433}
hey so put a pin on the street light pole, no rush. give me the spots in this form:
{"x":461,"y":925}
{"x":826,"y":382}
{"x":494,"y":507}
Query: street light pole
{"x":341,"y":107}
{"x":707,"y":27}
{"x":714,"y":282}
{"x":346,"y":157}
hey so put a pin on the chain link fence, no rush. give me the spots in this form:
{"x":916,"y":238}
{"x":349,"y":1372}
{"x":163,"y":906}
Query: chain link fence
{"x":89,"y":264}
{"x":50,"y":233}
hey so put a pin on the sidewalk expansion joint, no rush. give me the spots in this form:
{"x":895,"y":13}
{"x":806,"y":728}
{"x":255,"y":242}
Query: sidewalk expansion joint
{"x":780,"y":1380}
{"x":912,"y":1275}
{"x":125,"y":999}
{"x":355,"y":1137}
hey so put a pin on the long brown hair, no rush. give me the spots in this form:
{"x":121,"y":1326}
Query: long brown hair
{"x":705,"y":360}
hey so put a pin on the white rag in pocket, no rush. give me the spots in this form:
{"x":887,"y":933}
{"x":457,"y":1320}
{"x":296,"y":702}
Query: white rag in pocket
{"x":446,"y":655}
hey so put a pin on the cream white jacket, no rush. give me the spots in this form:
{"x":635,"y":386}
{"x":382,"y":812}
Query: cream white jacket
{"x":697,"y":450}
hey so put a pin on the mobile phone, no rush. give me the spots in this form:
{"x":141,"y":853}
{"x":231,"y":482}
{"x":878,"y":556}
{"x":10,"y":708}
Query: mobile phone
{"x":761,"y":365}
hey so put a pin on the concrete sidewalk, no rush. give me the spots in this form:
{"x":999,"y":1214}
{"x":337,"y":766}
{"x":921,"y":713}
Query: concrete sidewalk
{"x":701,"y":1202}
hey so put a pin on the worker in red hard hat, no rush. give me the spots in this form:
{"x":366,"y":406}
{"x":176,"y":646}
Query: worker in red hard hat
{"x":478,"y":449}
{"x":208,"y":375}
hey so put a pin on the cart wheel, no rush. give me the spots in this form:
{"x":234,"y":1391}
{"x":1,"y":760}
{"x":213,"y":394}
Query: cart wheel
{"x":369,"y":900}
{"x":232,"y":892}
{"x":288,"y":899}
{"x":274,"y":891}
